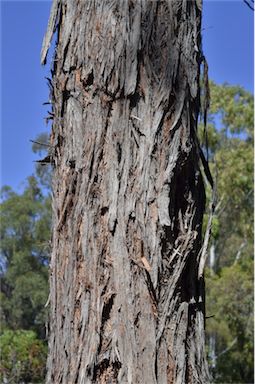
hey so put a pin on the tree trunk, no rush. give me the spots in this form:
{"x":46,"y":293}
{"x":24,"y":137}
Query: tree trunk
{"x":127,"y":301}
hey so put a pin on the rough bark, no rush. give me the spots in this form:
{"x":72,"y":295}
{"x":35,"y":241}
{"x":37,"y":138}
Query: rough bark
{"x":127,"y":302}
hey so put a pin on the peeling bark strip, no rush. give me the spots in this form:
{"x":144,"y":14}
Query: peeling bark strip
{"x":127,"y":303}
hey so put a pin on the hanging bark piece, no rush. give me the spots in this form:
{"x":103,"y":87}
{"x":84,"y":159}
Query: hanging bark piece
{"x":127,"y":303}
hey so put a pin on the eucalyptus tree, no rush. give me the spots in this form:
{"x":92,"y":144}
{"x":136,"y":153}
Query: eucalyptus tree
{"x":24,"y":253}
{"x":126,"y":271}
{"x":230,"y":294}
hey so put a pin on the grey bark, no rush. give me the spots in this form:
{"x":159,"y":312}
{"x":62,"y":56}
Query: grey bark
{"x":127,"y":302}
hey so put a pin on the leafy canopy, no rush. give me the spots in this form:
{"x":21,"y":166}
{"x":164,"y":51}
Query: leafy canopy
{"x":22,"y":357}
{"x":24,"y":249}
{"x":230,"y":283}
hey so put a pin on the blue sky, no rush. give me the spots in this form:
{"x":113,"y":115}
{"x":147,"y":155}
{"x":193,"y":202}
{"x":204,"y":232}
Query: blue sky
{"x":228,"y":46}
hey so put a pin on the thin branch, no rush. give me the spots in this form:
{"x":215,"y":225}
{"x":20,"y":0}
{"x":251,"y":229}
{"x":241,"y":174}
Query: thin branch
{"x":249,"y":5}
{"x":38,"y":142}
{"x":238,"y":254}
{"x":203,"y":251}
{"x":227,"y":349}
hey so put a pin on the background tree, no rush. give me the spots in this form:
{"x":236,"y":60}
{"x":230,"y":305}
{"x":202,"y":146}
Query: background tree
{"x":23,"y":357}
{"x":24,"y":257}
{"x":127,"y":293}
{"x":25,"y":229}
{"x":230,"y":279}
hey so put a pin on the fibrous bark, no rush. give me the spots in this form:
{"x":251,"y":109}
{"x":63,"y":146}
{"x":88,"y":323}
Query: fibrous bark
{"x":127,"y":301}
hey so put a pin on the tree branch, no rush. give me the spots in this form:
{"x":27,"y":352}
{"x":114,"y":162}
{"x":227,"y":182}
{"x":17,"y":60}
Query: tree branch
{"x":227,"y":349}
{"x":251,"y":6}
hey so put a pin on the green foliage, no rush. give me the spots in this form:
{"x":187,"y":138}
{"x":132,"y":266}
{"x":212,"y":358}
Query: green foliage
{"x":23,"y":357}
{"x":24,"y":256}
{"x":231,"y":303}
{"x":24,"y":250}
{"x":234,"y":106}
{"x":230,"y":285}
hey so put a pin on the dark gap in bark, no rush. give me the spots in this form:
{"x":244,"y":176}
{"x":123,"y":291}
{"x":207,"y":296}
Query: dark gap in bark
{"x":187,"y":368}
{"x":107,"y":309}
{"x":134,"y":100}
{"x":183,"y":182}
{"x":131,"y":217}
{"x":116,"y":365}
{"x":60,"y":141}
{"x":109,"y":114}
{"x":166,"y":238}
{"x":106,"y":371}
{"x":74,"y":184}
{"x":89,"y":371}
{"x":72,"y":68}
{"x":137,"y":144}
{"x":89,"y":80}
{"x":154,"y":149}
{"x":104,"y":210}
{"x":119,"y":152}
{"x":65,"y":97}
{"x":137,"y":319}
{"x":71,"y":164}
{"x":156,"y":366}
{"x":63,"y":219}
{"x":171,"y":103}
{"x":187,"y":289}
{"x":101,"y":155}
{"x":179,"y":16}
{"x":77,"y":372}
{"x":91,"y":165}
{"x":139,"y":88}
{"x":114,"y":227}
{"x":110,"y":107}
{"x":131,"y":8}
{"x":117,"y":94}
{"x":105,"y":286}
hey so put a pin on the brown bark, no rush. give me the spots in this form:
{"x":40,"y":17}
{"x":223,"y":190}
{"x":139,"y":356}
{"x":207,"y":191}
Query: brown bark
{"x":127,"y":303}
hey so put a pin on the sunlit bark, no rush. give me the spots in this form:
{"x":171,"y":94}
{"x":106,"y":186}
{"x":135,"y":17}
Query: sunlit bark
{"x":127,"y":304}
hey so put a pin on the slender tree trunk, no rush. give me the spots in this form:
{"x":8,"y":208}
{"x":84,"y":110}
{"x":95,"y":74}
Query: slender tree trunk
{"x":212,"y":337}
{"x":127,"y":301}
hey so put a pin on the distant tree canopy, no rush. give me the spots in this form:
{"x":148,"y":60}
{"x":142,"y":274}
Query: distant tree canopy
{"x":25,"y":234}
{"x":24,"y":260}
{"x":25,"y":248}
{"x":230,"y":284}
{"x":23,"y":357}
